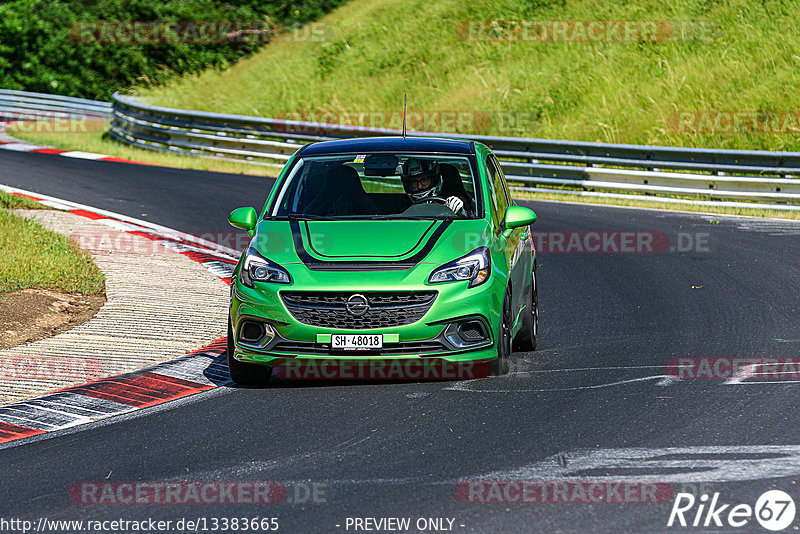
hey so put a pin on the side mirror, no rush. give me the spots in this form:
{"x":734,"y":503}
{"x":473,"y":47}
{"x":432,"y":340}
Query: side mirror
{"x":244,"y":218}
{"x":517,"y":216}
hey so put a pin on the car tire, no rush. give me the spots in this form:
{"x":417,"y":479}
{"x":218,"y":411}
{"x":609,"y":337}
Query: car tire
{"x":502,"y":363}
{"x":246,"y":374}
{"x":528,"y":335}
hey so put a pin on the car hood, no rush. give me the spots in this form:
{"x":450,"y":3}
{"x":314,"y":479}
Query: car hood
{"x":397,"y":243}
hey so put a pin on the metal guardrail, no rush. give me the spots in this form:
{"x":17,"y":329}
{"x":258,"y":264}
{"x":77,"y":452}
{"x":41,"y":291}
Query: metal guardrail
{"x":527,"y":162}
{"x":22,"y":105}
{"x":723,"y":174}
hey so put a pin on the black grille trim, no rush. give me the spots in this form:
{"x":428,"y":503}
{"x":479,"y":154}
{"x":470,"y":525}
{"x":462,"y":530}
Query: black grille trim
{"x":430,"y":346}
{"x":327,"y":309}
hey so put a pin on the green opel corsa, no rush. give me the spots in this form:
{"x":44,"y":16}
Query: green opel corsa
{"x":378,"y":249}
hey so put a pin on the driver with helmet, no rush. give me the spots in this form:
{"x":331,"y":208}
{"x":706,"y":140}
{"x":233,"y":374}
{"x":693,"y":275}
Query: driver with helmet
{"x":422,"y":181}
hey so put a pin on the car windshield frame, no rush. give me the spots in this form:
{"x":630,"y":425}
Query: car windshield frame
{"x":284,"y":186}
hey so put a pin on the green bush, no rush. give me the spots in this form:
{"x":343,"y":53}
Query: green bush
{"x":39,"y":53}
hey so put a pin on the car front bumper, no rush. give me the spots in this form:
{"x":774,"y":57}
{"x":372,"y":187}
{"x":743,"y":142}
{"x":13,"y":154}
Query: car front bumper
{"x":434,"y":336}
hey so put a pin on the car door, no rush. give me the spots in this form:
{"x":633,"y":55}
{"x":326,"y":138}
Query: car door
{"x":519,"y":263}
{"x":513,"y":244}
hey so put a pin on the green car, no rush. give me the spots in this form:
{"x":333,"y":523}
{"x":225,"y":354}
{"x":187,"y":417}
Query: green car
{"x":377,"y":249}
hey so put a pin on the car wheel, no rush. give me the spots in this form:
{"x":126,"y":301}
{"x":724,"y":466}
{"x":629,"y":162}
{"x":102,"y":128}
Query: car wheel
{"x":501,"y":364}
{"x":247,"y":374}
{"x":527,"y":337}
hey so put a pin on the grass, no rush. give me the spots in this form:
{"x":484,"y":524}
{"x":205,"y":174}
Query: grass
{"x":36,"y":257}
{"x":99,"y":143}
{"x":746,"y":59}
{"x":9,"y":202}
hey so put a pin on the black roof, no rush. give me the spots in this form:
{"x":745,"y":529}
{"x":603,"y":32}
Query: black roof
{"x":389,"y":144}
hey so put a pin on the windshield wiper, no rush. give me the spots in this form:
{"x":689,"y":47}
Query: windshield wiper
{"x":421,"y":218}
{"x":303,"y":217}
{"x":410,"y":218}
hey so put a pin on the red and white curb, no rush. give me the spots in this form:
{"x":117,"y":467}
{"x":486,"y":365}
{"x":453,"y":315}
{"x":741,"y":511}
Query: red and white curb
{"x":20,"y":146}
{"x":197,"y":371}
{"x":218,"y":259}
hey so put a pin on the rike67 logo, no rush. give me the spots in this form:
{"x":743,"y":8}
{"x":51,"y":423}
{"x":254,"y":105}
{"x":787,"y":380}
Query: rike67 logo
{"x":774,"y":510}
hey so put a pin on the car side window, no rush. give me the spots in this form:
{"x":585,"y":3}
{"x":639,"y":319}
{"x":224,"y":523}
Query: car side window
{"x":497,"y":189}
{"x":502,"y":181}
{"x":492,"y":191}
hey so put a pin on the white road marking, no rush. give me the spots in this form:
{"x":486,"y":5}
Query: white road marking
{"x":759,"y":382}
{"x":463,"y":386}
{"x":568,"y":370}
{"x":743,"y":373}
{"x":667,"y":381}
{"x":122,"y":226}
{"x":56,"y":205}
{"x":82,"y":155}
{"x":720,"y":464}
{"x":771,"y":227}
{"x":21,"y":147}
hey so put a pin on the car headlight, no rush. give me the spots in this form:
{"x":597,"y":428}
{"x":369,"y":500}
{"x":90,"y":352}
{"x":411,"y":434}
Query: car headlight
{"x":257,"y":268}
{"x":474,"y":267}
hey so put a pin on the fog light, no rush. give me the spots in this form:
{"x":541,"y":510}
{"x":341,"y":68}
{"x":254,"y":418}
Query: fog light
{"x":467,"y":333}
{"x":252,"y":331}
{"x":255,"y":333}
{"x":472,"y":331}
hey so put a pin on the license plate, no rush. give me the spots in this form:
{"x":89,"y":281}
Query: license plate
{"x":357,"y":341}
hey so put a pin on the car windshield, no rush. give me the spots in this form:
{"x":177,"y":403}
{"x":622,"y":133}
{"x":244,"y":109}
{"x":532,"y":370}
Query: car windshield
{"x":378,"y":186}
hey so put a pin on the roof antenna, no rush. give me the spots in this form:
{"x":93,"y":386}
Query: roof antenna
{"x":405,"y":101}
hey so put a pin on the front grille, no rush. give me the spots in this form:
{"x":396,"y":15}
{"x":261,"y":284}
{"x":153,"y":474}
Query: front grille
{"x":328,"y":309}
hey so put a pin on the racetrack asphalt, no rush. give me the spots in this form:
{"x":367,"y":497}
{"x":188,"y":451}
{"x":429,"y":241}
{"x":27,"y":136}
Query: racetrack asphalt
{"x":610,"y":325}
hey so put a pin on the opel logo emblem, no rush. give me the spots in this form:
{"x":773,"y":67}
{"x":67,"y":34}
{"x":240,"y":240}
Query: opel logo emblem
{"x":357,"y":305}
